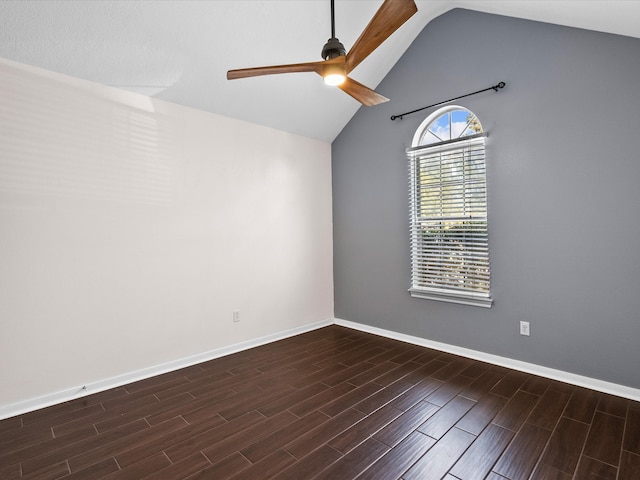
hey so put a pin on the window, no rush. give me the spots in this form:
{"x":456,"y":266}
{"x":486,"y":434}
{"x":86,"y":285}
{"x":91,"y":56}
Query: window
{"x":448,"y":203}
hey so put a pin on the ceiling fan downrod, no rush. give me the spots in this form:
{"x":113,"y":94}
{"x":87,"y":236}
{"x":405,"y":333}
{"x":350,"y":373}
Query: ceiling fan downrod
{"x":333,"y":48}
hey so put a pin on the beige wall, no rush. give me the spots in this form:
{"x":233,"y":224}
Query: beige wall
{"x":131,"y":228}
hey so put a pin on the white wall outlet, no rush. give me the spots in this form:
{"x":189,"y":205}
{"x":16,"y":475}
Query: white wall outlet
{"x":236,"y":316}
{"x":524,"y":328}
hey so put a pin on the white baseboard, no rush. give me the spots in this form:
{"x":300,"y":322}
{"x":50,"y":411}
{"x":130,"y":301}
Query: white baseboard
{"x":19,"y":408}
{"x":566,"y":377}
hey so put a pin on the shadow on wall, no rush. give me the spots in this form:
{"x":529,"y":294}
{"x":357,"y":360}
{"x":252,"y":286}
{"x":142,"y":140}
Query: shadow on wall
{"x":113,"y":151}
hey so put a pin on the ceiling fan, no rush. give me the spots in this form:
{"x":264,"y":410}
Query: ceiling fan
{"x":337,"y":64}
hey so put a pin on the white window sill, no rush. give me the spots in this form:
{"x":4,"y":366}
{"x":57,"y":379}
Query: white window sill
{"x":472,"y":300}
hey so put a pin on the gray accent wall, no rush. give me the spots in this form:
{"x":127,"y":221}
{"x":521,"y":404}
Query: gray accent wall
{"x":563,"y":163}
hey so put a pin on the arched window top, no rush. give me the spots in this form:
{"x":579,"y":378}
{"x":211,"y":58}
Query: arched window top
{"x":445,"y":124}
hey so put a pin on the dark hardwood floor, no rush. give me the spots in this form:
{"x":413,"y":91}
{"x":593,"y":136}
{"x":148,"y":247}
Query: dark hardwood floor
{"x":331,"y":404}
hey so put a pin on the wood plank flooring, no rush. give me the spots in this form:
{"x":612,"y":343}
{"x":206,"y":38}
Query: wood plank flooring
{"x":331,"y":404}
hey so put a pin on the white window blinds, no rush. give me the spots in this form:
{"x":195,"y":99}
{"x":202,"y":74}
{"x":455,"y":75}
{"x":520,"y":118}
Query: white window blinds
{"x":449,"y":234}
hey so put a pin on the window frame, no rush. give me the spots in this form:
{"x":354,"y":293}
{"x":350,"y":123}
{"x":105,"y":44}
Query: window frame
{"x":434,"y":280}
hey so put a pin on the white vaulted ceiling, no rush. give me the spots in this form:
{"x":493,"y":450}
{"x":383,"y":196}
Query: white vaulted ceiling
{"x":179,"y":51}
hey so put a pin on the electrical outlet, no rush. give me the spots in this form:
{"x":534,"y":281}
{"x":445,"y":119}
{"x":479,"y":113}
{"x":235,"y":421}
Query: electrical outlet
{"x":524,"y":329}
{"x":236,"y":316}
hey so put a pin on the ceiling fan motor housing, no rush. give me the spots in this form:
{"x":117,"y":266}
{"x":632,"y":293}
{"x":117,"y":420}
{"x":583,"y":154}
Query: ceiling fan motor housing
{"x":332,"y":49}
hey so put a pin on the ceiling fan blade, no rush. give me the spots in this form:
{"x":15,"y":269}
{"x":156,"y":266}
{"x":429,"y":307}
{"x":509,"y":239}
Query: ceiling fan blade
{"x":389,"y":17}
{"x":363,"y":94}
{"x":275,"y":69}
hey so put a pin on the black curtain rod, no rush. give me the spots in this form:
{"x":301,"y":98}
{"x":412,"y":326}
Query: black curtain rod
{"x":494,"y":88}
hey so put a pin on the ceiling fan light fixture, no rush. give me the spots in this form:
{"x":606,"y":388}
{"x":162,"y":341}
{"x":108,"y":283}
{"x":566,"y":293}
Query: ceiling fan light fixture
{"x":334,"y":74}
